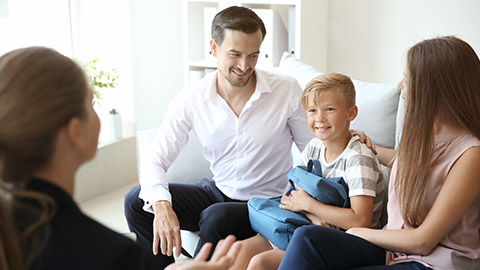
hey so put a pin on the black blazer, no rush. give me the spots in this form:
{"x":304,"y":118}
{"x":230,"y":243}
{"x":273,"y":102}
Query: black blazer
{"x":79,"y":242}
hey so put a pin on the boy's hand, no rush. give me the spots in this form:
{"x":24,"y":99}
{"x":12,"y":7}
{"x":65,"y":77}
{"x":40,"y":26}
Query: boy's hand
{"x":297,"y":201}
{"x":364,"y":139}
{"x":317,"y":221}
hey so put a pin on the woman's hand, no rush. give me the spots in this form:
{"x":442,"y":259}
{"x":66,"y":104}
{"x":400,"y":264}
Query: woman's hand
{"x":364,"y":139}
{"x":224,"y":256}
{"x":384,"y":155}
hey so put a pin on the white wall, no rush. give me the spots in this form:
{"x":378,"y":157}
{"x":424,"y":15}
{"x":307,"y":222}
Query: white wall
{"x":157,"y":58}
{"x":368,"y":39}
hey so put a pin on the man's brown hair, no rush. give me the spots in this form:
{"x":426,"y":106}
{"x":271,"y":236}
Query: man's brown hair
{"x":236,"y":18}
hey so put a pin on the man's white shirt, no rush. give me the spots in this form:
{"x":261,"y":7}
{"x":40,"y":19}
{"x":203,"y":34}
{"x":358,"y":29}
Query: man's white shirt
{"x":249,"y":155}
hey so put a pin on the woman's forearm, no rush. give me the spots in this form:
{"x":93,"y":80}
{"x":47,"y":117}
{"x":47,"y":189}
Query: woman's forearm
{"x":385,"y":155}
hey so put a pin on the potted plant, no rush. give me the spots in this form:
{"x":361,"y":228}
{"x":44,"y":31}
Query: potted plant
{"x":100,"y":80}
{"x":113,"y":125}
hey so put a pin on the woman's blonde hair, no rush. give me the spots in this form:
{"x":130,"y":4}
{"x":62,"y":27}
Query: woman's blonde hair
{"x":40,"y":92}
{"x":337,"y":82}
{"x":443,"y":84}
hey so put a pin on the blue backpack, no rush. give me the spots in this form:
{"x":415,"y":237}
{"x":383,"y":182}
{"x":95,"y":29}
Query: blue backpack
{"x":278,"y":225}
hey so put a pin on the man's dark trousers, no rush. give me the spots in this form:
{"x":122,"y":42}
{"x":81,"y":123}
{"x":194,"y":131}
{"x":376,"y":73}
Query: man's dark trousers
{"x":200,"y":207}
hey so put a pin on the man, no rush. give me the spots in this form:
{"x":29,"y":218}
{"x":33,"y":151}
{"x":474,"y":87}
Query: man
{"x":246,"y":121}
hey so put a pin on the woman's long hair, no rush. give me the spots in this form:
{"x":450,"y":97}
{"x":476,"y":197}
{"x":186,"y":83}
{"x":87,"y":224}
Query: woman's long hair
{"x":10,"y":252}
{"x":40,"y":91}
{"x":443,"y":84}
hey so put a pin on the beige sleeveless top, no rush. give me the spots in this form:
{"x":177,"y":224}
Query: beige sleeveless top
{"x":460,"y":248}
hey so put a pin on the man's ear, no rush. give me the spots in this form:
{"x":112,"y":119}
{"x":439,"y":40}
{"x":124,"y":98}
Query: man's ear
{"x":352,"y":114}
{"x":213,"y":47}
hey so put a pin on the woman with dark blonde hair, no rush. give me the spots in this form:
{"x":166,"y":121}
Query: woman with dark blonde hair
{"x":434,"y":189}
{"x":48,"y":129}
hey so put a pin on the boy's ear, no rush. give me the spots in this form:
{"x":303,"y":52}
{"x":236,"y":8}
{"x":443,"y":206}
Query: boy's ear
{"x":352,"y":114}
{"x":213,"y":47}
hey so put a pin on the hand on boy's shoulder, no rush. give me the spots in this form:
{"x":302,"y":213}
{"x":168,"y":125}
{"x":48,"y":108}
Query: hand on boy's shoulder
{"x":365,"y":139}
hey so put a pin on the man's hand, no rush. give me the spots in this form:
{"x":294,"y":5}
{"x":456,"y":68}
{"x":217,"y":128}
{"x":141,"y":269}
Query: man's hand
{"x":166,"y":229}
{"x":224,"y":256}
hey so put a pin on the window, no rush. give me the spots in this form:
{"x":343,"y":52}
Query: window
{"x":82,"y":29}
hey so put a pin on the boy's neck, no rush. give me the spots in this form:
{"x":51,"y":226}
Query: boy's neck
{"x":334,"y":148}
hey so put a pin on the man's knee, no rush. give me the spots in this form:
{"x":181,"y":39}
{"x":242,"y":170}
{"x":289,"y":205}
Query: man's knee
{"x":222,"y":219}
{"x":212,"y":215}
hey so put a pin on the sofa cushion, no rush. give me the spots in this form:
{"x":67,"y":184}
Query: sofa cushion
{"x":377,"y":111}
{"x":304,"y":73}
{"x":377,"y":103}
{"x":399,"y":124}
{"x":189,"y":167}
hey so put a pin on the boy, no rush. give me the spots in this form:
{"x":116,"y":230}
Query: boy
{"x":329,"y":100}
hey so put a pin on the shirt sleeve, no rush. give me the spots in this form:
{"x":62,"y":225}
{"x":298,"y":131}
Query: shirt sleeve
{"x":169,"y":141}
{"x":312,"y":150}
{"x":361,"y":175}
{"x":297,"y":123}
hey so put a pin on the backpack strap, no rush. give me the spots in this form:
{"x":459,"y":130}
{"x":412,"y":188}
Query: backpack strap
{"x":314,"y":167}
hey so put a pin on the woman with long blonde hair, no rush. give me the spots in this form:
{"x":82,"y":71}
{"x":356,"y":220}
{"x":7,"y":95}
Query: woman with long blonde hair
{"x":434,"y":189}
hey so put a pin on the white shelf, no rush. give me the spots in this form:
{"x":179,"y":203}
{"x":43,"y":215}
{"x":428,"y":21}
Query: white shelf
{"x":202,"y":64}
{"x":251,"y":2}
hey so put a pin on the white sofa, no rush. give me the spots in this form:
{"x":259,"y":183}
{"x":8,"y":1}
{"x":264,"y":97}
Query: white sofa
{"x":380,"y":114}
{"x":379,"y":117}
{"x":101,"y":184}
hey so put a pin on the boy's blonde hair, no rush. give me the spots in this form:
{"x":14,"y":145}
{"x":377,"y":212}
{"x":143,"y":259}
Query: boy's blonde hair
{"x":337,"y":82}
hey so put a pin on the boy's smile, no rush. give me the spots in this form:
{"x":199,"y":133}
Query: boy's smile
{"x":329,"y":116}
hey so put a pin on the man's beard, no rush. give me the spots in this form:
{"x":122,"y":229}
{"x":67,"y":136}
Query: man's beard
{"x":233,"y":83}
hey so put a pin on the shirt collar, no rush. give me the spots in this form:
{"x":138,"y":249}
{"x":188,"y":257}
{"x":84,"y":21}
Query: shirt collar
{"x":261,"y":86}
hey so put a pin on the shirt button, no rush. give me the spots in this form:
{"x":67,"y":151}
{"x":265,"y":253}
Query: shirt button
{"x":240,"y":132}
{"x":240,"y":156}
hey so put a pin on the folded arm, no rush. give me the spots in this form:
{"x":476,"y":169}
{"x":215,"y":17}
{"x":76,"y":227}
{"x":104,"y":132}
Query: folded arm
{"x":359,"y":215}
{"x":461,"y":188}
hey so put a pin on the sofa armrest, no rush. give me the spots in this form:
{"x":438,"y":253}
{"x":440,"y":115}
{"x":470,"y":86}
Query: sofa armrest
{"x":189,"y":167}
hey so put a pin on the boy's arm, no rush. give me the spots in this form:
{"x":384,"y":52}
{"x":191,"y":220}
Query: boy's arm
{"x":360,"y":168}
{"x":359,"y":215}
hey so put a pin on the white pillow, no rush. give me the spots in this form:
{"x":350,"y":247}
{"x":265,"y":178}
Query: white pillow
{"x":304,"y":73}
{"x":377,"y":103}
{"x":377,"y":111}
